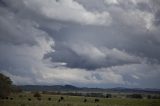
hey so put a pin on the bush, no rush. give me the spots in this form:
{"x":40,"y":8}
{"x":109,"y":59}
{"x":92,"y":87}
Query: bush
{"x":37,"y":94}
{"x":137,"y":96}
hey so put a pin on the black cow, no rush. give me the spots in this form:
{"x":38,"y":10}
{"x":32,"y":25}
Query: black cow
{"x":29,"y":99}
{"x":96,"y":100}
{"x":61,"y":98}
{"x":85,"y":100}
{"x":49,"y":99}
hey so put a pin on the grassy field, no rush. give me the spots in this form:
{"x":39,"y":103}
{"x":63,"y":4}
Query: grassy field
{"x":22,"y":100}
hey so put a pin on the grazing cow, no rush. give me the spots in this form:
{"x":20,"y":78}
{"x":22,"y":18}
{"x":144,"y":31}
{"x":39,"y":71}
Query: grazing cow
{"x":11,"y":98}
{"x":49,"y":99}
{"x":6,"y":97}
{"x":96,"y":100}
{"x":29,"y":99}
{"x":61,"y":98}
{"x":85,"y":100}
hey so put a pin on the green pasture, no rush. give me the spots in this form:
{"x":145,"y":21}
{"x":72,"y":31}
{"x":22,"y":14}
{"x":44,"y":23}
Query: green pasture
{"x":21,"y":99}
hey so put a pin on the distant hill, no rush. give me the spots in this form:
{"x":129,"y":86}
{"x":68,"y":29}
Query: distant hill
{"x":84,"y":89}
{"x":48,"y":88}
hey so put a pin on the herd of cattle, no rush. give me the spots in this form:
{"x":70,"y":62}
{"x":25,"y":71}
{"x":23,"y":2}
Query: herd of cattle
{"x":59,"y":100}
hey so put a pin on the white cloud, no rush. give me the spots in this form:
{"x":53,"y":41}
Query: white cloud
{"x":139,"y":18}
{"x":135,"y":18}
{"x":128,"y":13}
{"x":22,"y":45}
{"x":89,"y":51}
{"x":64,"y":75}
{"x":136,"y":77}
{"x":109,"y":2}
{"x":143,"y":74}
{"x":64,"y":10}
{"x":103,"y":54}
{"x":120,"y":55}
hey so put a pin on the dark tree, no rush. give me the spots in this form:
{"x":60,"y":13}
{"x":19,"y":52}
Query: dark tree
{"x":5,"y":85}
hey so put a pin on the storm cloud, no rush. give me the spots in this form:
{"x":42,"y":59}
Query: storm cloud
{"x":105,"y":43}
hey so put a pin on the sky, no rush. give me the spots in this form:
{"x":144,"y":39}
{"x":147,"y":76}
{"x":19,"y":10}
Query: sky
{"x":86,"y":43}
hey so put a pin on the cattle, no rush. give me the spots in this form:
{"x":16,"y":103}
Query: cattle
{"x":29,"y":99}
{"x":61,"y":98}
{"x":96,"y":100}
{"x":11,"y":98}
{"x":85,"y":100}
{"x":49,"y":99}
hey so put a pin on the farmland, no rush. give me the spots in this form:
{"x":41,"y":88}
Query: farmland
{"x":27,"y":99}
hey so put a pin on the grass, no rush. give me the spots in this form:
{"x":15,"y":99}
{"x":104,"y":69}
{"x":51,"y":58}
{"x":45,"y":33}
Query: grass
{"x":22,"y":100}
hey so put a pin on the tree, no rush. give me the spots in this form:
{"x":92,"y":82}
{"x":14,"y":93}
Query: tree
{"x":5,"y":85}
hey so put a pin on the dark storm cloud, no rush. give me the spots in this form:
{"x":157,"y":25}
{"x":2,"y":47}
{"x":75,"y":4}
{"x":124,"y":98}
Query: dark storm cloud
{"x":106,"y":42}
{"x":157,"y":18}
{"x":73,"y":60}
{"x":2,"y":3}
{"x":118,"y":35}
{"x":65,"y":52}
